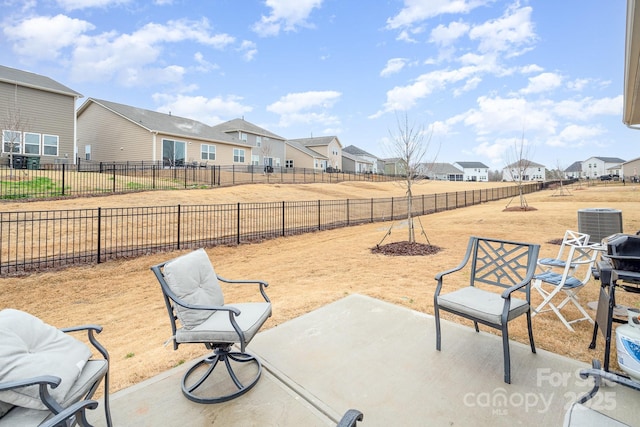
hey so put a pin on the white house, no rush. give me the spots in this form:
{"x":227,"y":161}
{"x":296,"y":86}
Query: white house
{"x":524,"y":170}
{"x":594,"y":167}
{"x":473,"y":171}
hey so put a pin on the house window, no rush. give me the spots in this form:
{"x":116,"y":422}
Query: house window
{"x":238,"y":155}
{"x":207,"y":152}
{"x":288,"y":164}
{"x":31,"y":143}
{"x":268,"y":161}
{"x":255,"y":159}
{"x":243,"y":136}
{"x":87,"y":152}
{"x":173,"y":152}
{"x":276,"y":162}
{"x":11,"y":141}
{"x":258,"y":141}
{"x":50,"y":145}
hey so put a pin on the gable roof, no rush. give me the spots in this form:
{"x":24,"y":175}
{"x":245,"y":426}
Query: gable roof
{"x":309,"y":152}
{"x":236,"y":125}
{"x":575,"y":167}
{"x":168,"y":124}
{"x":315,"y":141}
{"x":441,"y":168}
{"x":469,"y":165}
{"x":609,"y":159}
{"x":36,"y":81}
{"x":352,"y":149}
{"x":356,"y":158}
{"x":525,"y":162}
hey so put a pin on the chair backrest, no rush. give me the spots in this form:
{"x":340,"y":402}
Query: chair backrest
{"x":572,"y":238}
{"x":501,"y":262}
{"x":188,"y":281}
{"x":579,"y":264}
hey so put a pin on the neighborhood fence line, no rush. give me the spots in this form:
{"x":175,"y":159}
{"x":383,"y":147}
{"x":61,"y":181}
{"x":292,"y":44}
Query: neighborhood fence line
{"x":93,"y":178}
{"x":37,"y":240}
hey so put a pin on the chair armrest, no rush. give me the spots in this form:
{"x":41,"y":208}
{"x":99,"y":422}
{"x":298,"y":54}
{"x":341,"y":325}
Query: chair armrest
{"x":91,"y":331}
{"x":507,"y":292}
{"x":76,"y":410}
{"x":261,"y":283}
{"x":43,"y":382}
{"x":350,"y":418}
{"x":599,"y":375}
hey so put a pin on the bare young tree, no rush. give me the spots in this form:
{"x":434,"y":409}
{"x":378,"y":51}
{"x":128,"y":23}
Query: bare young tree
{"x":518,"y":168}
{"x":14,"y":126}
{"x":266,"y":150}
{"x":409,"y":144}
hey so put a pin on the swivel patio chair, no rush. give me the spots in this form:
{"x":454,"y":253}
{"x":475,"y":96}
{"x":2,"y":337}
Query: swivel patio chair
{"x":491,"y":264}
{"x":577,"y":271}
{"x":47,"y":376}
{"x":571,"y":238}
{"x":193,"y":297}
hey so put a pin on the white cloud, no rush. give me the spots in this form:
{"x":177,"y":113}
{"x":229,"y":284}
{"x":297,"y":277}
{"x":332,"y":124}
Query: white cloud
{"x":210,"y":111}
{"x":512,"y":30}
{"x":531,"y":68}
{"x":43,"y":37}
{"x":286,"y":15}
{"x":575,"y":135}
{"x":203,"y":65}
{"x":544,"y":82}
{"x":415,"y":11}
{"x":306,"y":107}
{"x":445,"y":36}
{"x":578,"y":84}
{"x":248,"y":49}
{"x":587,"y":108}
{"x":85,"y":4}
{"x":393,"y":66}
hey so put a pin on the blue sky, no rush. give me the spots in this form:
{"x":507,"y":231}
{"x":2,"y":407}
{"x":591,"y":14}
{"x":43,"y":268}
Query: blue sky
{"x":479,"y":75}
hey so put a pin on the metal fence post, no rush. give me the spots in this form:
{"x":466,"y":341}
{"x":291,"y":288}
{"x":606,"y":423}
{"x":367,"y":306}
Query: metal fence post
{"x":238,"y":225}
{"x":178,"y":228}
{"x":283,"y":223}
{"x":99,"y":235}
{"x":63,"y":172}
{"x":114,"y":177}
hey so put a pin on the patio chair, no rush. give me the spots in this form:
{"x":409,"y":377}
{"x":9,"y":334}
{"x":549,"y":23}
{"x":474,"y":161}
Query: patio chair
{"x":577,"y":272}
{"x":47,"y":376}
{"x":350,"y":418}
{"x":571,"y":237}
{"x":580,"y":414}
{"x":491,"y":264}
{"x":193,"y":296}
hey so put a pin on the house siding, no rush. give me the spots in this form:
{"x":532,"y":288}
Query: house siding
{"x":107,"y":132}
{"x":300,"y":159}
{"x":44,"y":113}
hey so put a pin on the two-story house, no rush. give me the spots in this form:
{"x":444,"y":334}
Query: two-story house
{"x":594,"y":167}
{"x":473,"y":171}
{"x":325,"y":152}
{"x":524,"y":170}
{"x":362,"y":157}
{"x":37,"y":117}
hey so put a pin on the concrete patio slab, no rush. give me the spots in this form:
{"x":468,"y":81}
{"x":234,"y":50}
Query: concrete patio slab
{"x":360,"y":352}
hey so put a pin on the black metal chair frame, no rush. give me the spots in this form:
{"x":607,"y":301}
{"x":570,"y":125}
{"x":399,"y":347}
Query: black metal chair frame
{"x":222,"y":352}
{"x":507,"y":264}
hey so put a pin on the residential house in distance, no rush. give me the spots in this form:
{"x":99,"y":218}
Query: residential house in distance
{"x":441,"y":172}
{"x":524,"y":170}
{"x":594,"y":167}
{"x":574,"y":171}
{"x":37,"y":117}
{"x":112,"y":132}
{"x":473,"y":171}
{"x":630,"y":170}
{"x":269,"y":148}
{"x":369,"y":158}
{"x":393,"y":166}
{"x":356,"y":164}
{"x":328,"y":147}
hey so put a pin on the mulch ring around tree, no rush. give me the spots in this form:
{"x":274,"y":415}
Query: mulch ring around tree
{"x":519,"y":209}
{"x":405,"y":249}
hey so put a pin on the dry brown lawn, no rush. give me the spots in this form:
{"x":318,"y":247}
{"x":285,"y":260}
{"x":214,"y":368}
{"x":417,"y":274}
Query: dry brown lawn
{"x":305,"y":271}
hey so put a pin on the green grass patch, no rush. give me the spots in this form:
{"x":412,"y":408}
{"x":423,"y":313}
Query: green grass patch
{"x":37,"y":187}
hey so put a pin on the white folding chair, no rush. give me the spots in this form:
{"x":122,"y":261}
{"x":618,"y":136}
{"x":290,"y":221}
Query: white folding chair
{"x":571,"y":237}
{"x":576,"y":273}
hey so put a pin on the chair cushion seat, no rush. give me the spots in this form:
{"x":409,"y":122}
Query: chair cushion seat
{"x":481,"y":304}
{"x":556,"y":278}
{"x":30,"y":348}
{"x":218,"y":328}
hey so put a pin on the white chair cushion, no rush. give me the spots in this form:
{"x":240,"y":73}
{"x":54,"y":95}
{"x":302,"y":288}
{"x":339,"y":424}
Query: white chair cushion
{"x":192,"y":278}
{"x":481,"y":304}
{"x":30,"y":348}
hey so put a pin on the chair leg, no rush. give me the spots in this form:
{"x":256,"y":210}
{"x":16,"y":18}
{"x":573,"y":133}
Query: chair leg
{"x":221,"y":355}
{"x":507,"y":357}
{"x":533,"y":346}
{"x":476,"y":325}
{"x":436,"y":312}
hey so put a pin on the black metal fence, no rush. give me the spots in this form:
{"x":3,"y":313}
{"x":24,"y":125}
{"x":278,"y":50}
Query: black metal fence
{"x":90,"y":178}
{"x":35,"y":240}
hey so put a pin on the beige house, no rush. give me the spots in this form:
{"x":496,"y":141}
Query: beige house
{"x":328,"y":147}
{"x":37,"y":117}
{"x":111,"y":132}
{"x":268,"y":148}
{"x":299,"y":156}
